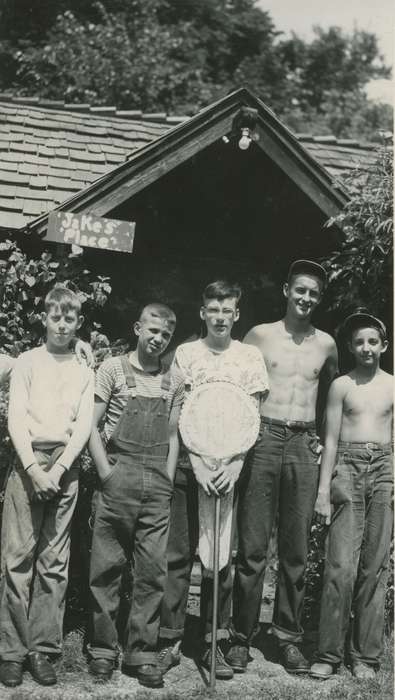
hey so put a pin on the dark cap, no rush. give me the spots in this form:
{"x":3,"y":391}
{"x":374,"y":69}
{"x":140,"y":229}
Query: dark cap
{"x":362,"y":319}
{"x":308,"y":267}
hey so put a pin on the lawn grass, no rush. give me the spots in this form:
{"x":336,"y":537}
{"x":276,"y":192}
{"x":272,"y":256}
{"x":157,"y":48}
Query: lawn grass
{"x":264,"y":679}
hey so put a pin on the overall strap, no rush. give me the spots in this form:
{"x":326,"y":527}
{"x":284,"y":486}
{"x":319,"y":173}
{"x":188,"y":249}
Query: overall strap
{"x":128,"y":372}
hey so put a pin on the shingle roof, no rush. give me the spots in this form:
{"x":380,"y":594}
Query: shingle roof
{"x":49,"y":151}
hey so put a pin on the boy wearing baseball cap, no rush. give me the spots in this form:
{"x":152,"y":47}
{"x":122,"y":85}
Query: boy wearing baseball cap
{"x":354,"y":497}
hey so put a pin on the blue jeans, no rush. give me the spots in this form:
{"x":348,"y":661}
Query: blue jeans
{"x":280,"y":476}
{"x":182,"y":544}
{"x":357,"y":553}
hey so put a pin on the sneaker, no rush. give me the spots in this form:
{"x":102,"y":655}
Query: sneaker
{"x":222,"y":671}
{"x":293,"y":659}
{"x":322,"y":670}
{"x":363,"y":672}
{"x":169,"y":655}
{"x":237,"y":657}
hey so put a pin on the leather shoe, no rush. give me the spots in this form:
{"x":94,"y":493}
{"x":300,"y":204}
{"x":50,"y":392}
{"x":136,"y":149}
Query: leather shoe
{"x":11,"y":673}
{"x":293,"y":659}
{"x":41,"y":669}
{"x":101,"y":669}
{"x":237,"y":657}
{"x":222,"y":669}
{"x":322,"y":670}
{"x":148,"y":675}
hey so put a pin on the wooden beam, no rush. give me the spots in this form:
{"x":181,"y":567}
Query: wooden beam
{"x":141,"y":177}
{"x":315,"y":185}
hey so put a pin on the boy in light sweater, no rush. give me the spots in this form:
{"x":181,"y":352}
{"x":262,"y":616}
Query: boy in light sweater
{"x":50,"y":416}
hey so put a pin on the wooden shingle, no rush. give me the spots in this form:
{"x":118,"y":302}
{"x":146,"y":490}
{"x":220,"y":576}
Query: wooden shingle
{"x":49,"y":150}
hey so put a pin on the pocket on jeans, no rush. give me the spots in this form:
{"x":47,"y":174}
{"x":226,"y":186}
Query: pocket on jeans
{"x":341,"y":485}
{"x":112,"y":472}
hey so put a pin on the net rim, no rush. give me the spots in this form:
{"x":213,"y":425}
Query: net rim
{"x":246,"y":442}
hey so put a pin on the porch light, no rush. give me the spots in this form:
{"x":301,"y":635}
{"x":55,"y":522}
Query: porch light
{"x":246,"y":139}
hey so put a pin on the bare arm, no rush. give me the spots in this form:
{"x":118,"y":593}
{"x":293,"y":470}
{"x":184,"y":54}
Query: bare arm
{"x":6,"y":365}
{"x":174,"y":442}
{"x":334,"y":414}
{"x":331,"y":367}
{"x":254,"y":337}
{"x":96,"y":447}
{"x":329,"y":372}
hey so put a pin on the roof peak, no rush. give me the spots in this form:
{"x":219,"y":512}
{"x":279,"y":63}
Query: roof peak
{"x":100,"y":111}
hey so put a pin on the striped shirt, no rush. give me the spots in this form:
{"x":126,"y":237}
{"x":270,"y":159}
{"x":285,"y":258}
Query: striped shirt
{"x":111,"y":388}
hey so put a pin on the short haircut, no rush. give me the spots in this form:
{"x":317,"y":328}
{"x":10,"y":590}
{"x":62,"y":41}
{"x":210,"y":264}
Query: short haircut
{"x":65,"y":298}
{"x":221,"y":289}
{"x":307,"y":267}
{"x":361,"y":318}
{"x":157,"y":310}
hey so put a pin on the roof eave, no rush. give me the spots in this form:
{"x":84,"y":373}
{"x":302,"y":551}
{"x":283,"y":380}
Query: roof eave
{"x":189,"y":137}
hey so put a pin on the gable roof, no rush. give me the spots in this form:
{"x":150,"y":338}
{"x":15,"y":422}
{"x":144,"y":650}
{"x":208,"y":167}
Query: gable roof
{"x":51,"y":153}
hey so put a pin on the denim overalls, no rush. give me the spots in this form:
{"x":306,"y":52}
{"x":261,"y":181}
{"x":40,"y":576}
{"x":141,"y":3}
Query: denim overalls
{"x":132,"y":520}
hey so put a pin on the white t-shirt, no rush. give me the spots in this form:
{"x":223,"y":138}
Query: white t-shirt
{"x":195,"y":363}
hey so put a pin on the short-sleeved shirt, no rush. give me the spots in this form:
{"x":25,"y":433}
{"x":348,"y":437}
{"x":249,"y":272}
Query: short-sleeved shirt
{"x":111,"y":387}
{"x":195,"y":363}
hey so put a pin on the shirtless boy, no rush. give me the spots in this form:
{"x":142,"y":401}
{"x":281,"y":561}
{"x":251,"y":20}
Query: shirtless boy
{"x":281,"y":473}
{"x":356,"y":483}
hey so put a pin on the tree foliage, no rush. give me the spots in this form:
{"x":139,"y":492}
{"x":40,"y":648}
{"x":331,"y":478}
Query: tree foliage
{"x":168,"y":55}
{"x":360,"y":270}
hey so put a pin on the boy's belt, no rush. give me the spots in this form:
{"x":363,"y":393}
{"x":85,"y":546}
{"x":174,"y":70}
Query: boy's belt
{"x":296,"y":424}
{"x":364,"y":445}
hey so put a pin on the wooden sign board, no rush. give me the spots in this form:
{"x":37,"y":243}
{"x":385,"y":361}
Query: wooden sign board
{"x":90,"y":231}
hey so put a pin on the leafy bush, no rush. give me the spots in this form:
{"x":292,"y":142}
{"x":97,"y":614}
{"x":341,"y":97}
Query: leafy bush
{"x":360,"y":270}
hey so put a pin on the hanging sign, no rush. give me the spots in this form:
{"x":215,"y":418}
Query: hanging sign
{"x":90,"y":231}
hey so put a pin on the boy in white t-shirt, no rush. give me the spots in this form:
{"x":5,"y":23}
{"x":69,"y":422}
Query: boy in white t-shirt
{"x":215,"y":357}
{"x":50,"y":416}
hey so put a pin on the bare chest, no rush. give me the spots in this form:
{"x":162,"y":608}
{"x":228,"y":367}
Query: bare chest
{"x":376,"y":401}
{"x":285,"y":358}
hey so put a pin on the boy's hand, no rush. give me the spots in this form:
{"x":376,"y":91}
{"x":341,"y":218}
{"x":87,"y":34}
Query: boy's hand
{"x":226,"y":476}
{"x":43,"y":485}
{"x":323,"y":509}
{"x":84,"y":353}
{"x":203,"y":475}
{"x":56,"y":472}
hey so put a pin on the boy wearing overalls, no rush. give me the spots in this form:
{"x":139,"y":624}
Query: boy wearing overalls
{"x":134,"y":461}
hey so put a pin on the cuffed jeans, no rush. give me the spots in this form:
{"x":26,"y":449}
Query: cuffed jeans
{"x":132,"y":517}
{"x":280,"y":475}
{"x":356,"y":565}
{"x":35,"y":549}
{"x":181,"y":549}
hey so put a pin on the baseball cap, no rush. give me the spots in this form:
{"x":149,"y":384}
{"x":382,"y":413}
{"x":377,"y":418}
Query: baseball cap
{"x":308,"y":267}
{"x":362,"y":319}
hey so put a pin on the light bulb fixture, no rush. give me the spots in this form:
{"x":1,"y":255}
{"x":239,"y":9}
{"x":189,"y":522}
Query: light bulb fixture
{"x":246,"y":139}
